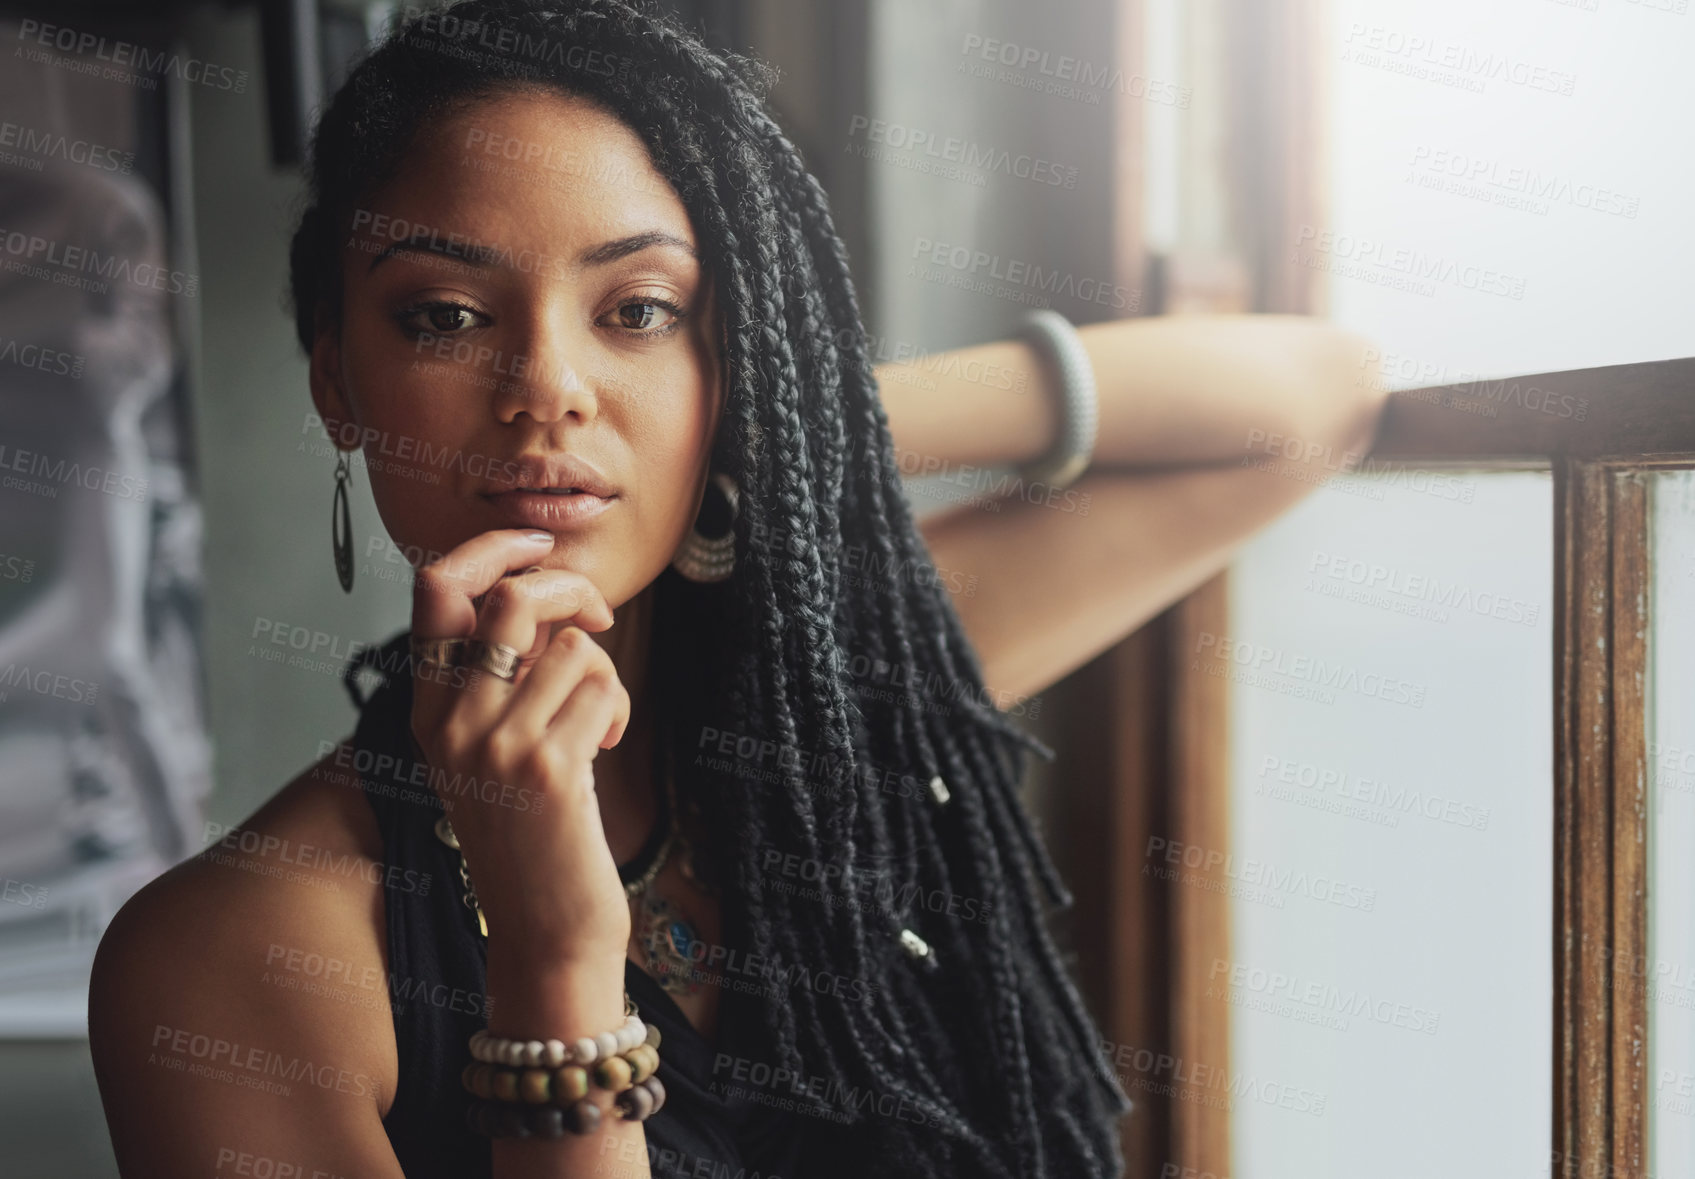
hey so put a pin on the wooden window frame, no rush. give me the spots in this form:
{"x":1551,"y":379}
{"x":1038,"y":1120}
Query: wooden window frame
{"x":1640,"y":418}
{"x":1153,"y":762}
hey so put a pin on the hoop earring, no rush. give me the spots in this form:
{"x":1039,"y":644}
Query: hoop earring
{"x":711,"y":558}
{"x":341,"y":525}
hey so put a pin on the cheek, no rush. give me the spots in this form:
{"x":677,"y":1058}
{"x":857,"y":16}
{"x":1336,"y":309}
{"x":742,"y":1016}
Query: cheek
{"x":672,"y":449}
{"x":414,"y":418}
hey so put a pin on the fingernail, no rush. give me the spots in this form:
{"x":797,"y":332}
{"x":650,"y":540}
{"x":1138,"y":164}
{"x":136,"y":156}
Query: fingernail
{"x":539,"y":537}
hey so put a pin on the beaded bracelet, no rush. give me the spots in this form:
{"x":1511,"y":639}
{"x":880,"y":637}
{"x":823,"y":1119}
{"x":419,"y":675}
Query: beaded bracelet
{"x":567,"y":1083}
{"x":546,"y":1102}
{"x":492,"y":1049}
{"x":495,"y":1119}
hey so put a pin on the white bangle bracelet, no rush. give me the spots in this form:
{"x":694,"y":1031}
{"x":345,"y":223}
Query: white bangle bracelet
{"x":1054,"y":336}
{"x":491,"y":1049}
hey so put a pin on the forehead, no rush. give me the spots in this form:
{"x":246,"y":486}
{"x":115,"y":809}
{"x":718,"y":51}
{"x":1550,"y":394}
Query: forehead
{"x":528,"y":166}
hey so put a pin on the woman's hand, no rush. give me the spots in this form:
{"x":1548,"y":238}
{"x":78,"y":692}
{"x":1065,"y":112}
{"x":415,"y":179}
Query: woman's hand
{"x":536,"y":853}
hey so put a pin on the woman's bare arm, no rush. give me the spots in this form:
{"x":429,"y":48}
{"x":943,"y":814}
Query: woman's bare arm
{"x":1173,"y":391}
{"x":219,"y":1041}
{"x":240,"y":1011}
{"x":1210,"y":428}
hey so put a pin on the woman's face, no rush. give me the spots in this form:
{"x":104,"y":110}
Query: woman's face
{"x":527,"y":288}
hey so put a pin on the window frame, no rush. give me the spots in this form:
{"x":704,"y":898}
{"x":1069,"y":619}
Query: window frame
{"x":1638,"y":419}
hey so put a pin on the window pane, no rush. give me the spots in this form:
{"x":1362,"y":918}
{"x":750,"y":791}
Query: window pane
{"x":1671,"y":778}
{"x":1390,"y":980}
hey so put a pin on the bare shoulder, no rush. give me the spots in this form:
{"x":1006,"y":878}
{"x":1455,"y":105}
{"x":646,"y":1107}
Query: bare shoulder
{"x":240,"y":1001}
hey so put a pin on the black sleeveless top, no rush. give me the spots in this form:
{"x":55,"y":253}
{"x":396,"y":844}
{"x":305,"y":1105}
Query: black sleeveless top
{"x":437,"y":968}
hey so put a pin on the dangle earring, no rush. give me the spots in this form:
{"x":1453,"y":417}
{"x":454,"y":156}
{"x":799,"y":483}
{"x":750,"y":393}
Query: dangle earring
{"x":341,"y":524}
{"x":711,"y":558}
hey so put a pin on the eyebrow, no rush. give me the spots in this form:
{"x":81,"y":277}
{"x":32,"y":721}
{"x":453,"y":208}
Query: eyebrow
{"x":476,"y":254}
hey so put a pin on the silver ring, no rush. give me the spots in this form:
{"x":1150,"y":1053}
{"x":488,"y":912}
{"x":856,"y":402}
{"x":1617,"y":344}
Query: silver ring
{"x":497,"y":659}
{"x":446,"y":652}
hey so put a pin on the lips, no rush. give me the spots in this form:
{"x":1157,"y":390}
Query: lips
{"x":554,"y":510}
{"x":555,"y":474}
{"x":554,"y":492}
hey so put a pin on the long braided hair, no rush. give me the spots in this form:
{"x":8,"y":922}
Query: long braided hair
{"x":978,"y":1057}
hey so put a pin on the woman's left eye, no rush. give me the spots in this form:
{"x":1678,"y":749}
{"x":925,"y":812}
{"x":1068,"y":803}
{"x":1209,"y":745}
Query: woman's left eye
{"x":637,"y":316}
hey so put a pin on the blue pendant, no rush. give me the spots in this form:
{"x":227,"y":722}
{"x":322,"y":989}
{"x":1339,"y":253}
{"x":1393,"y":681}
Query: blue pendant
{"x":668,"y":939}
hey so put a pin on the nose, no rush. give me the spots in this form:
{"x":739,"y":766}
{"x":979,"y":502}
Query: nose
{"x":543,"y":383}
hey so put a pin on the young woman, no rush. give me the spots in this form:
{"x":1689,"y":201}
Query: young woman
{"x":574,"y":295}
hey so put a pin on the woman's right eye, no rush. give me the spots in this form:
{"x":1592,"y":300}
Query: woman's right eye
{"x":441,"y":318}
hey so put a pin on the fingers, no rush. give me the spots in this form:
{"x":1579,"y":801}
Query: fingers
{"x":571,"y":662}
{"x":515,"y":607}
{"x":484,"y":590}
{"x":442,"y":590}
{"x":586,"y":722}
